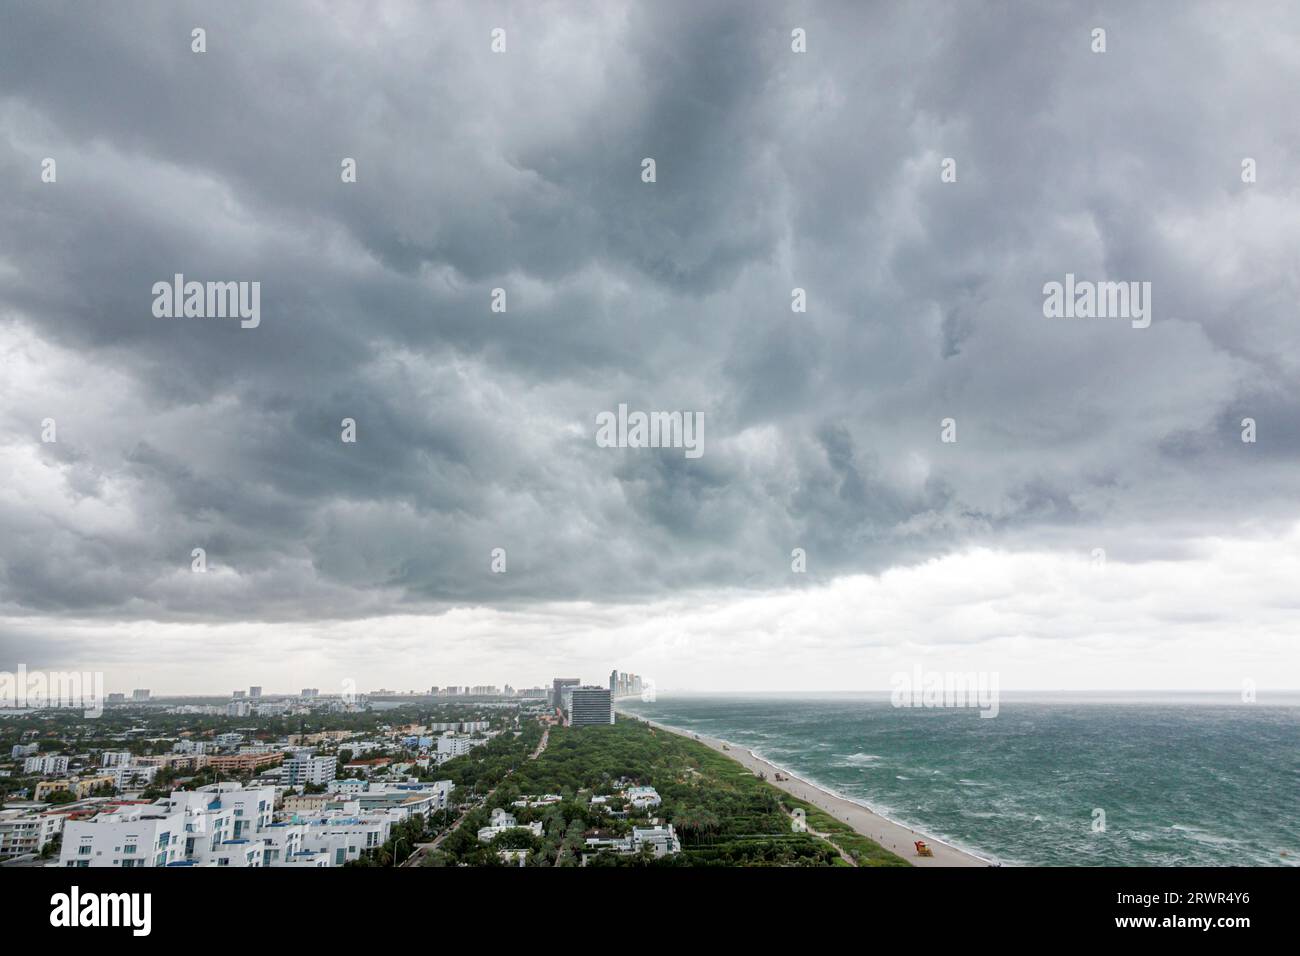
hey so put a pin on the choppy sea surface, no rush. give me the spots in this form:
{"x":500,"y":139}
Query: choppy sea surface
{"x":1183,"y":779}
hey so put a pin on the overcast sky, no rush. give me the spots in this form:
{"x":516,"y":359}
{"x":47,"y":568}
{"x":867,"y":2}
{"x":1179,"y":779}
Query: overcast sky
{"x":522,"y":170}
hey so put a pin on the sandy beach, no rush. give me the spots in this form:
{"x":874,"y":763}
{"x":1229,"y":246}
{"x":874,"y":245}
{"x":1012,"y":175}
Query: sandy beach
{"x":893,"y":836}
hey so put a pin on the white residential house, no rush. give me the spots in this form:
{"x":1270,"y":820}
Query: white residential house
{"x":641,"y":798}
{"x":663,"y":840}
{"x":545,"y":800}
{"x":597,"y":840}
{"x":501,"y":821}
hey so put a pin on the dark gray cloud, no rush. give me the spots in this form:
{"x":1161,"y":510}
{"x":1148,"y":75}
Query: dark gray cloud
{"x":522,"y":171}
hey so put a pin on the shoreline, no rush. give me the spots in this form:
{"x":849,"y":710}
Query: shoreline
{"x":890,"y":834}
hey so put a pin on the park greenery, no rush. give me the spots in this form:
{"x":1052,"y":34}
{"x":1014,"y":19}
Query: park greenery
{"x":723,"y":814}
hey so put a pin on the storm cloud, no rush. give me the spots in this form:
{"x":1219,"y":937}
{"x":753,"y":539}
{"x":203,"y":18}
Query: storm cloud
{"x":521,"y":170}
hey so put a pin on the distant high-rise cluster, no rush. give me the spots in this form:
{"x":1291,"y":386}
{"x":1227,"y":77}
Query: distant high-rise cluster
{"x":624,"y":685}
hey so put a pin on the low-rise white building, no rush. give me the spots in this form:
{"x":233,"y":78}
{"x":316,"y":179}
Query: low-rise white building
{"x":641,"y":798}
{"x":662,"y":840}
{"x":501,"y":822}
{"x":23,"y":832}
{"x":343,"y":838}
{"x":545,"y":800}
{"x":347,"y":785}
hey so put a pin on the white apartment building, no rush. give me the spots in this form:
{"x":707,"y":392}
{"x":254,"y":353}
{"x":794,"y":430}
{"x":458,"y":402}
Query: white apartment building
{"x":235,"y":853}
{"x":51,"y":764}
{"x":114,"y":758}
{"x":127,"y":776}
{"x":450,"y":745}
{"x":21,"y":751}
{"x":254,"y":808}
{"x":194,"y":747}
{"x":343,"y":837}
{"x":465,"y":726}
{"x":411,"y":798}
{"x":129,"y":836}
{"x":219,"y":825}
{"x":303,"y":769}
{"x":347,"y":785}
{"x":224,"y":823}
{"x":22,"y":831}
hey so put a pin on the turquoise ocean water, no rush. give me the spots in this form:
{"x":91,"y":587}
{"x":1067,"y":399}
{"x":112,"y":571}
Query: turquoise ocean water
{"x":1184,"y":779}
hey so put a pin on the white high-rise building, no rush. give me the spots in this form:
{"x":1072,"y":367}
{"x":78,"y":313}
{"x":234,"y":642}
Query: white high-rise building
{"x":590,"y":706}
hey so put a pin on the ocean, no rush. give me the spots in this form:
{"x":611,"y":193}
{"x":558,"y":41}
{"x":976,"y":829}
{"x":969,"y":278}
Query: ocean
{"x":1182,"y":779}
